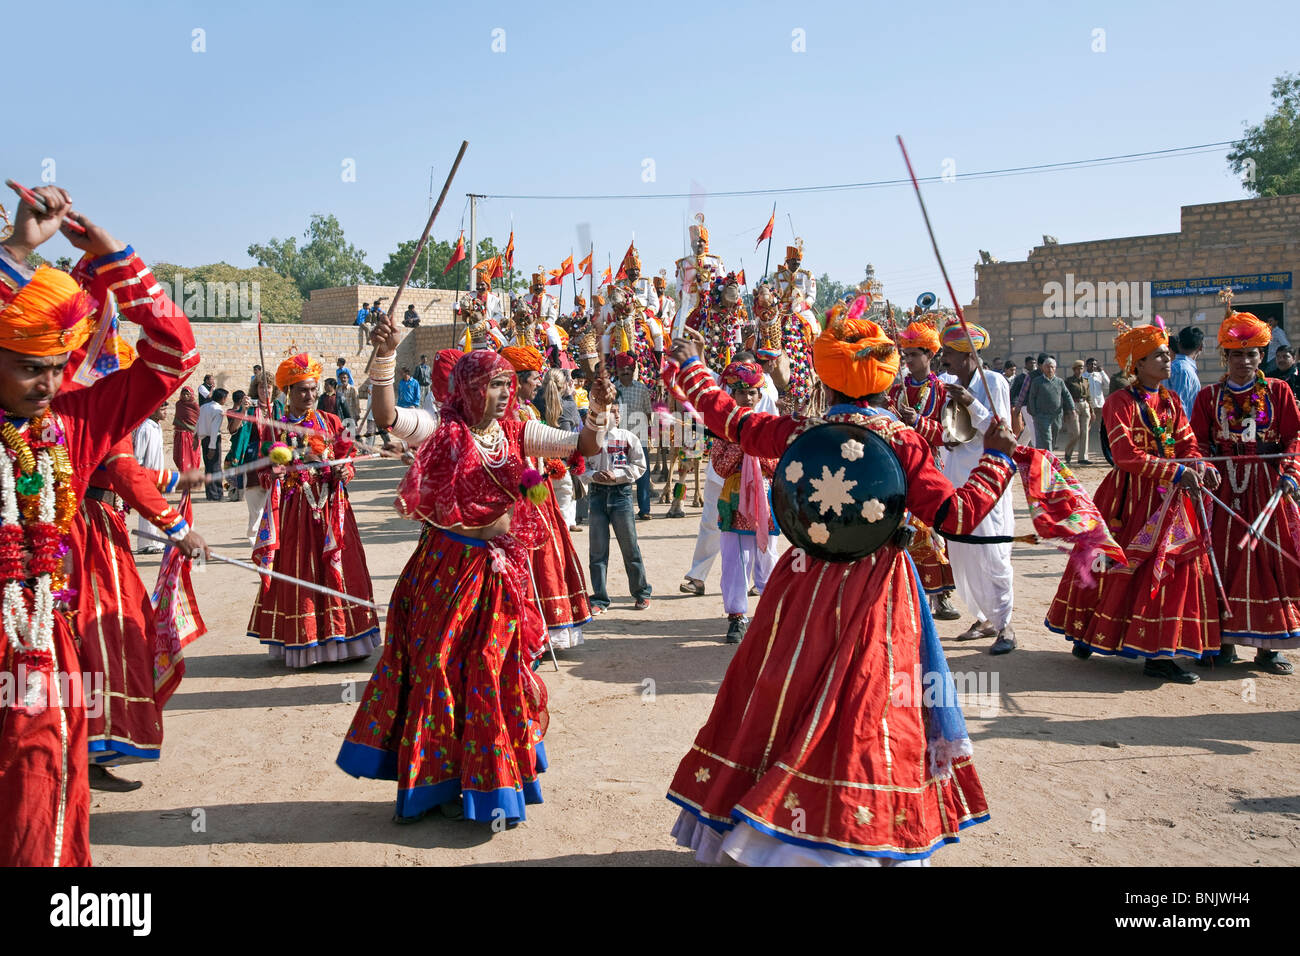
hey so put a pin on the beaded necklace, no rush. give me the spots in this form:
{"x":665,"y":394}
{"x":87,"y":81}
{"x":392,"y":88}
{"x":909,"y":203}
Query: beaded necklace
{"x":927,"y":391}
{"x":1252,"y":417}
{"x":1158,"y":422}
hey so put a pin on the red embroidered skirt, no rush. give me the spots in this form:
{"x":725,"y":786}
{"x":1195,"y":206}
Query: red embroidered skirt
{"x":448,"y":712}
{"x":806,"y":742}
{"x":117,"y":638}
{"x":557,"y":572}
{"x":307,"y":627}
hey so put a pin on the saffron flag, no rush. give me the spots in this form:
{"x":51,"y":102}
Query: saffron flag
{"x":622,"y":266}
{"x":584,"y":267}
{"x":607,"y":278}
{"x":510,"y":251}
{"x":767,"y":230}
{"x":492,"y":267}
{"x":555,"y":276}
{"x":740,"y":277}
{"x":457,"y":256}
{"x":566,"y":267}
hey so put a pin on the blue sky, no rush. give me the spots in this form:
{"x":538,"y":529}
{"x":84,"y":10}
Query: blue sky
{"x":192,"y":156}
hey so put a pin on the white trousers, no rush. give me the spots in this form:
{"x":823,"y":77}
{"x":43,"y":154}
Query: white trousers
{"x":983,"y":575}
{"x":565,"y":500}
{"x":255,"y":498}
{"x":706,"y":542}
{"x":742,"y":563}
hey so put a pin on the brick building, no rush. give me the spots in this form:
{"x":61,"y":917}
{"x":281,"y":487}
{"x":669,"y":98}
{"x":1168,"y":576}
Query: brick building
{"x":1065,"y":297}
{"x":338,"y":306}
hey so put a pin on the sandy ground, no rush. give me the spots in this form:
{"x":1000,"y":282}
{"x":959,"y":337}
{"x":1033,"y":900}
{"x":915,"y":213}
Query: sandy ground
{"x":1082,"y":762}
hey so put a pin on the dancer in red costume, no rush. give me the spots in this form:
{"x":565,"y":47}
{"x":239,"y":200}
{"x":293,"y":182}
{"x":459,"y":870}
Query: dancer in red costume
{"x":115,"y":619}
{"x":1244,"y":415}
{"x":557,"y":572}
{"x":185,"y":442}
{"x":806,"y":758}
{"x":1162,"y":604}
{"x":918,"y":401}
{"x":53,"y":442}
{"x":308,"y":532}
{"x":454,"y":712}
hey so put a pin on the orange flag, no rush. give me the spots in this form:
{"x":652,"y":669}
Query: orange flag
{"x":767,"y":230}
{"x":566,"y":267}
{"x":584,"y":267}
{"x":740,"y":277}
{"x":607,"y":278}
{"x":457,"y":256}
{"x":510,"y":251}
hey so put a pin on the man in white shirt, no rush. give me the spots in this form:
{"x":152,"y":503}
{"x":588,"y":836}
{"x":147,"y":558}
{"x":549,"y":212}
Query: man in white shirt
{"x":1277,"y":341}
{"x":148,"y":448}
{"x":614,"y":473}
{"x":210,"y":431}
{"x":205,"y":390}
{"x":1098,"y":386}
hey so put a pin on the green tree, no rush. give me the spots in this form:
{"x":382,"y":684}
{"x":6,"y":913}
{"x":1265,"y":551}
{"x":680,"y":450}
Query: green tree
{"x":1268,"y":156}
{"x":829,"y":292}
{"x":326,"y":260}
{"x":221,"y":292}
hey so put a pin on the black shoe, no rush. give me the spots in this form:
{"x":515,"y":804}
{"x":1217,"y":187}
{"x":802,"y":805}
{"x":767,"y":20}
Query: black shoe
{"x":1168,"y":670}
{"x":736,"y":630}
{"x":1006,"y":642}
{"x":944,"y":609}
{"x":102,"y":779}
{"x":1081,"y":651}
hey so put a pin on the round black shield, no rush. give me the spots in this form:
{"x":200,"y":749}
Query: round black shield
{"x":839,"y":492}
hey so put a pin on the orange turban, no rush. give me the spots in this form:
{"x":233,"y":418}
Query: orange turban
{"x":295,"y":369}
{"x":856,"y":358}
{"x":50,"y":315}
{"x":1134,"y":344}
{"x":921,"y":334}
{"x":1241,"y":330}
{"x":954,"y":338}
{"x":523,"y":358}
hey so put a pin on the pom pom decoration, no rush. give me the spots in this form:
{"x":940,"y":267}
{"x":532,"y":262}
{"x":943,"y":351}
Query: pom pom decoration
{"x":317,"y":444}
{"x":577,"y":464}
{"x":281,"y":454}
{"x":533,"y":486}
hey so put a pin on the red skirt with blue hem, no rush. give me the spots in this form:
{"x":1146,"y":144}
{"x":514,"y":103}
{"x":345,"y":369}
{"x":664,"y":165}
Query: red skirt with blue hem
{"x":448,"y":712}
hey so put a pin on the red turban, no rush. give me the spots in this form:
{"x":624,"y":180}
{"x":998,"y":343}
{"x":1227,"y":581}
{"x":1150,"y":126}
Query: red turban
{"x":624,"y":360}
{"x":743,"y":373}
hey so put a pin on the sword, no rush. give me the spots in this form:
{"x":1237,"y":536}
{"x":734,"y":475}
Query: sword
{"x":1214,"y":561}
{"x":1242,"y":521}
{"x":267,"y":572}
{"x":1257,"y":526}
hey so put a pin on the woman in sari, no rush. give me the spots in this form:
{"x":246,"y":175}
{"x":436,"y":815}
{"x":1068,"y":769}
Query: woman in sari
{"x":185,"y":439}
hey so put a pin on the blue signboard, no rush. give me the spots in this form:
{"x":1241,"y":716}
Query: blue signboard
{"x":1259,"y":282}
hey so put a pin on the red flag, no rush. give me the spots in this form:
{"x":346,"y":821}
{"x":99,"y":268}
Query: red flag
{"x":622,"y":266}
{"x":510,"y":251}
{"x":607,"y":278}
{"x":584,"y":267}
{"x":740,"y":277}
{"x":566,"y":267}
{"x":767,"y":230}
{"x":491,"y":266}
{"x":498,"y":270}
{"x":556,"y":276}
{"x":457,"y":256}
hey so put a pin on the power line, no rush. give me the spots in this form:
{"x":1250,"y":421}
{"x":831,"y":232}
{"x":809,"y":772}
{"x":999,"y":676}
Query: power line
{"x":1117,"y":160}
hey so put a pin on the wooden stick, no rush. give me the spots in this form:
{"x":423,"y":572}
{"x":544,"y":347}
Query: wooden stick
{"x":424,"y":238}
{"x":37,"y":203}
{"x":1240,"y":520}
{"x":961,"y":317}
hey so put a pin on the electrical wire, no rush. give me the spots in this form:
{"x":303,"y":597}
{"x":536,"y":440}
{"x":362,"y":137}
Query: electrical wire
{"x":1117,"y":160}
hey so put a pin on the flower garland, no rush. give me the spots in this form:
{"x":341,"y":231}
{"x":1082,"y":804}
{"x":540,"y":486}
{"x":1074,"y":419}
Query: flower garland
{"x":1256,"y":407}
{"x":1162,"y":426}
{"x":36,"y":511}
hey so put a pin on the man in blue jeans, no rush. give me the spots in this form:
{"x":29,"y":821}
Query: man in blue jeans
{"x":613,"y":476}
{"x":637,"y":411}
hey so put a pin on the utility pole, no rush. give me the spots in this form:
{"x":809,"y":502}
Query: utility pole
{"x":473,"y":237}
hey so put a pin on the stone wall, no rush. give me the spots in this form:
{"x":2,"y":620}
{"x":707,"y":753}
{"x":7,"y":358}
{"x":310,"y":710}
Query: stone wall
{"x":1246,"y":237}
{"x":228,"y":350}
{"x":339,"y":306}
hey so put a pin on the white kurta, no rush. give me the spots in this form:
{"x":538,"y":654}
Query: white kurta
{"x":148,"y":448}
{"x":982,"y":572}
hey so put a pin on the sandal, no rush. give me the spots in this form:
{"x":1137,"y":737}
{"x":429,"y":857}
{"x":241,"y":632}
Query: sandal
{"x":1274,"y":663}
